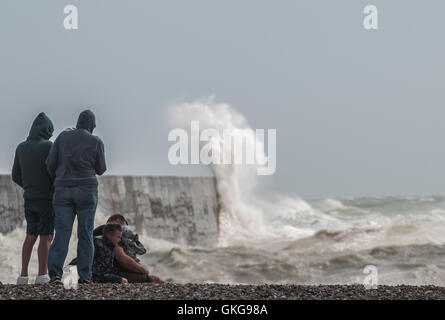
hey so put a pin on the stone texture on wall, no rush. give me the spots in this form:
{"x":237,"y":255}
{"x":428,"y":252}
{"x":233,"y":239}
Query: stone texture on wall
{"x":179,"y":209}
{"x":183,"y":210}
{"x":11,"y":205}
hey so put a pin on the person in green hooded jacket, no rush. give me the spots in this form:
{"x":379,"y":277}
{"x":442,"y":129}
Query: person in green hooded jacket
{"x":29,"y":172}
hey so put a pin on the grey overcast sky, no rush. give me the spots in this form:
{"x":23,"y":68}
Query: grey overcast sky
{"x":357,"y":112}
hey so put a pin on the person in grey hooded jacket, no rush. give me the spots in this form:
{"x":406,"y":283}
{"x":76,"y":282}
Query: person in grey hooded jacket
{"x":74,"y":160}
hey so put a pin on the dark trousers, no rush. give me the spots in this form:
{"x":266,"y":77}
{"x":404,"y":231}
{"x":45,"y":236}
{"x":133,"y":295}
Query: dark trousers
{"x":69,"y":202}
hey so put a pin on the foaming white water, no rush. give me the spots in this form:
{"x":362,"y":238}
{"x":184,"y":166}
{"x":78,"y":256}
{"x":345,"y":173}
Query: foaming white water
{"x":243,"y":214}
{"x":403,"y":237}
{"x":11,"y":249}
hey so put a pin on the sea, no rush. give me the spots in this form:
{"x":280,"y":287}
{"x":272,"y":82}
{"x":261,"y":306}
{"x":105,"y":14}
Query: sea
{"x":266,"y":237}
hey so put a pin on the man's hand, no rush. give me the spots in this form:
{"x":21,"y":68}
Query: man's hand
{"x":128,"y":262}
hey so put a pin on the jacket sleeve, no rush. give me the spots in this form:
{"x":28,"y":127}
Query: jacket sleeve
{"x":101,"y":166}
{"x":140,"y":249}
{"x":17,"y":171}
{"x":52,"y":159}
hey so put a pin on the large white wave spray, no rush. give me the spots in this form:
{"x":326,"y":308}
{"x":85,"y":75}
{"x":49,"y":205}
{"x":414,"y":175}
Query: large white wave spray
{"x":243,"y":214}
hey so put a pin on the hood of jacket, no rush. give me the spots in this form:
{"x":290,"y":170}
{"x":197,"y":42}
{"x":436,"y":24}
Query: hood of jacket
{"x":42,"y":127}
{"x":87,"y":121}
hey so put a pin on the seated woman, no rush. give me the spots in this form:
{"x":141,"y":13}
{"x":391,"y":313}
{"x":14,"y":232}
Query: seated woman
{"x":104,"y":247}
{"x":126,"y":264}
{"x":129,"y":242}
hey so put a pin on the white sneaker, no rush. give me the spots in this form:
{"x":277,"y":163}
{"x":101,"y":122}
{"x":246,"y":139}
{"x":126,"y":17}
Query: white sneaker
{"x":43,"y":278}
{"x":22,"y":280}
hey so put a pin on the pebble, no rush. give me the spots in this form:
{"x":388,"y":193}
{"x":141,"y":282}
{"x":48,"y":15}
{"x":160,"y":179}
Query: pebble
{"x":191,"y":291}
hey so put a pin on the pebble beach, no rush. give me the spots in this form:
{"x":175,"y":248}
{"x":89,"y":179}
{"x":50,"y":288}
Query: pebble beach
{"x":171,"y":291}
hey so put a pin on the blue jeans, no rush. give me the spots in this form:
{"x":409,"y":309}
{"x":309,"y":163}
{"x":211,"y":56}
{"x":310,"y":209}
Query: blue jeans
{"x":69,"y":202}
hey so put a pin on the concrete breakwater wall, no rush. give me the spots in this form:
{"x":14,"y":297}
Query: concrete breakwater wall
{"x":183,"y":210}
{"x":11,"y":205}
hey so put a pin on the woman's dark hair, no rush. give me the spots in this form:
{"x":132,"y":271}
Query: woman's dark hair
{"x":116,"y":217}
{"x":111,"y":229}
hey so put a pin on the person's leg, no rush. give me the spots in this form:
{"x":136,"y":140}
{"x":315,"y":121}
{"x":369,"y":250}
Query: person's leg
{"x":112,"y":278}
{"x":64,"y":219}
{"x":46,"y":231}
{"x":132,"y":277}
{"x":31,"y":236}
{"x":28,"y":244}
{"x":86,"y":203}
{"x":155,"y":279}
{"x":42,"y":253}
